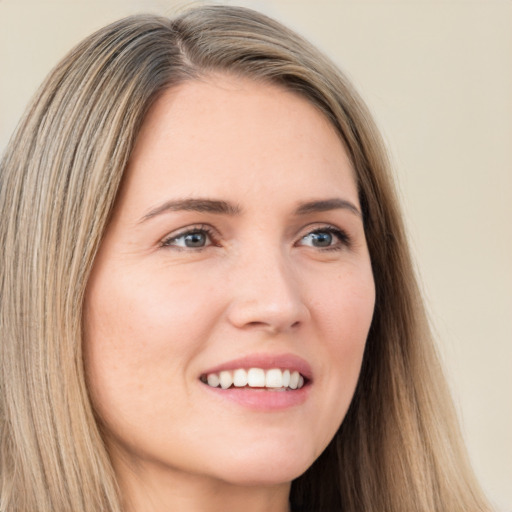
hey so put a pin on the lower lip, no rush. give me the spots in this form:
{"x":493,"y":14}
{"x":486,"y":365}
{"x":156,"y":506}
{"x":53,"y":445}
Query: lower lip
{"x":262,"y":399}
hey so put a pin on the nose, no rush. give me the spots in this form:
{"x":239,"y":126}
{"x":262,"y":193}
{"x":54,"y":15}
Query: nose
{"x":266,"y":294}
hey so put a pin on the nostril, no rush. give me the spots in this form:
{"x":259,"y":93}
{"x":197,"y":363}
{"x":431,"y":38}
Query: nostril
{"x":263,"y":325}
{"x":270,"y":326}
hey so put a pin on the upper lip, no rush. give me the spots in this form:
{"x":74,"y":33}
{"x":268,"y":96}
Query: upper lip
{"x":266,"y":362}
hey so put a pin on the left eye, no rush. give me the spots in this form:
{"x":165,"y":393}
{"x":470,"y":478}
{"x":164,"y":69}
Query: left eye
{"x":325,"y":238}
{"x":195,"y":239}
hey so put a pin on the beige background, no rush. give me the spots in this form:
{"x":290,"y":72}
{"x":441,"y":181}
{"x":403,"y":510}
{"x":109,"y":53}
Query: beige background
{"x":438,"y":76}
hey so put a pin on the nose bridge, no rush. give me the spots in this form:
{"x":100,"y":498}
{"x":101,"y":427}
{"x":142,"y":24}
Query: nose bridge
{"x":266,"y":291}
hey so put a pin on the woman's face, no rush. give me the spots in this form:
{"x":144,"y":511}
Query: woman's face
{"x":236,"y":248}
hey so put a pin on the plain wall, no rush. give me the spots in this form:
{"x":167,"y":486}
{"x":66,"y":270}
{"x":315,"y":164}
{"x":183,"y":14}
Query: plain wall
{"x":438,"y":77}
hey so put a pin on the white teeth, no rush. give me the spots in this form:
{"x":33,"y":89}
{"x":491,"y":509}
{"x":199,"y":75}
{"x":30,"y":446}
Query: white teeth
{"x":240,"y":378}
{"x":213,"y":380}
{"x":256,"y":378}
{"x":226,"y":379}
{"x":274,"y":378}
{"x":294,"y":380}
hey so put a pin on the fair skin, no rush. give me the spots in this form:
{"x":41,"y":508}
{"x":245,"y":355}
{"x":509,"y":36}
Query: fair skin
{"x":237,"y":235}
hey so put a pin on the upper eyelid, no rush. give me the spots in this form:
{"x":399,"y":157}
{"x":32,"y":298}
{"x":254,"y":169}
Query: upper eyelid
{"x":318,"y":226}
{"x":209,"y":230}
{"x":323,"y":226}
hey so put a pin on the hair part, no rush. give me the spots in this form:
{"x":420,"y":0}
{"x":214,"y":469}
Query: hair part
{"x":399,"y":446}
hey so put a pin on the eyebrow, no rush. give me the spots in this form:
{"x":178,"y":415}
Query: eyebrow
{"x":204,"y":205}
{"x":327,"y":205}
{"x":194,"y":205}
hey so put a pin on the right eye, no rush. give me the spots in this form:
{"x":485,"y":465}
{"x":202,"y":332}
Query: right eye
{"x":195,"y":238}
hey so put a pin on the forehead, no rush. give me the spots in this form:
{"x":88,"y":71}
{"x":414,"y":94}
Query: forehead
{"x":221,"y":133}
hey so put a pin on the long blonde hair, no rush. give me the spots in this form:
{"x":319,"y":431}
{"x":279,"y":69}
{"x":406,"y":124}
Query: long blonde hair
{"x":399,"y":447}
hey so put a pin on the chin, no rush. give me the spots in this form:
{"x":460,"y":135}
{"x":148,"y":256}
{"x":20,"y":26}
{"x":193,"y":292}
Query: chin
{"x":259,"y":478}
{"x":266,"y":471}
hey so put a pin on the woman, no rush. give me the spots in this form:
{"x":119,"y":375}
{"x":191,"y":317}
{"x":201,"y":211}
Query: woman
{"x":207,"y":297}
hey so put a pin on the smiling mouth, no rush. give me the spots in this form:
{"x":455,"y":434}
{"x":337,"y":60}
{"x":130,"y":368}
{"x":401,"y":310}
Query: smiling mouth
{"x":273,"y":379}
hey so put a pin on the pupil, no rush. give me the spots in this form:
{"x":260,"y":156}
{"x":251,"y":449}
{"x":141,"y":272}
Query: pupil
{"x":322,"y":239}
{"x":195,"y":240}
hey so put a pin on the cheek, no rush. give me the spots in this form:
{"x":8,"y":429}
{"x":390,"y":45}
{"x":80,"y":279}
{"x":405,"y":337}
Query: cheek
{"x":140,"y":333}
{"x":346,"y":308}
{"x":344,"y":316}
{"x":141,"y":313}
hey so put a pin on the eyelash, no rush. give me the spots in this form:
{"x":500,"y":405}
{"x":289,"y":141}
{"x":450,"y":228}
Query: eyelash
{"x":344,"y":239}
{"x":200,"y":229}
